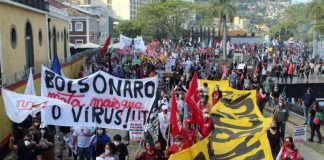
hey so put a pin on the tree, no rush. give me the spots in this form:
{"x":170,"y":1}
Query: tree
{"x":315,"y":12}
{"x":225,"y":12}
{"x":127,"y":28}
{"x":172,"y":18}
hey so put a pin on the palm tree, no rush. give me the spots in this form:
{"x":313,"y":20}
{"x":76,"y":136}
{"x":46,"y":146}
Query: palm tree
{"x":225,"y":12}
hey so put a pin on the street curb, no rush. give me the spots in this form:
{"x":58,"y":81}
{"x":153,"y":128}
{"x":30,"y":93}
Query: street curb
{"x":292,"y":122}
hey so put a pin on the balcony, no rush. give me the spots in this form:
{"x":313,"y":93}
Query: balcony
{"x":37,"y":4}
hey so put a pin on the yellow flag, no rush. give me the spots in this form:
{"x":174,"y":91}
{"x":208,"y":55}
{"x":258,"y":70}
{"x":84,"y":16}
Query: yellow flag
{"x":198,"y":151}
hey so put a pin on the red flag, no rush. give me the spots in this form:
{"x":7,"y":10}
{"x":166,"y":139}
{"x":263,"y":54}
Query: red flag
{"x":192,"y":99}
{"x":173,"y":116}
{"x":178,"y":48}
{"x":106,"y":45}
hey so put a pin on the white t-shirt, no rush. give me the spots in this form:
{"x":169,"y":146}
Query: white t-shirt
{"x":83,"y":141}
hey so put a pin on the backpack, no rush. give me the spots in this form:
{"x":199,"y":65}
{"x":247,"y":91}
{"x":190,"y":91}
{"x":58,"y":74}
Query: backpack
{"x":318,"y":118}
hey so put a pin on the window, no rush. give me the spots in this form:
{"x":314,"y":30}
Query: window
{"x":79,"y":41}
{"x":40,"y":37}
{"x":13,"y":36}
{"x":79,"y":26}
{"x":70,"y":26}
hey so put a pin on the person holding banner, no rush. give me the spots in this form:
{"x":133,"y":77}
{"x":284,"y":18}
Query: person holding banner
{"x":288,"y":151}
{"x":177,"y":146}
{"x":149,"y":154}
{"x":216,"y":95}
{"x":189,"y":134}
{"x":98,"y":142}
{"x":208,"y":126}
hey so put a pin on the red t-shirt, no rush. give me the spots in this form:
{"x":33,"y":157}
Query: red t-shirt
{"x":189,"y":136}
{"x":207,"y":127}
{"x":216,"y":96}
{"x":146,"y":156}
{"x":174,"y":148}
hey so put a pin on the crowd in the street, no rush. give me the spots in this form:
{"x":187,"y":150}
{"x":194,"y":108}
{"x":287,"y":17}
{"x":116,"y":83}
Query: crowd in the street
{"x":175,"y":66}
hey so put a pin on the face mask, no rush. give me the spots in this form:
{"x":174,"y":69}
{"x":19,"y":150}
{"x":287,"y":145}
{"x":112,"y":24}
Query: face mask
{"x":273,"y":128}
{"x":107,"y":151}
{"x":100,"y":132}
{"x":36,"y":124}
{"x":27,"y":143}
{"x":149,"y":149}
{"x":116,"y":143}
{"x":165,"y":111}
{"x":177,"y":143}
{"x":42,"y":131}
{"x":287,"y":144}
{"x":206,"y":115}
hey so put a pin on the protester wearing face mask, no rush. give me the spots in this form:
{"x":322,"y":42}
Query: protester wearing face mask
{"x":110,"y":151}
{"x":281,"y":115}
{"x":308,"y":100}
{"x":216,"y":95}
{"x":149,"y":154}
{"x":98,"y":143}
{"x":274,"y":137}
{"x":189,"y":135}
{"x":176,"y":147}
{"x":288,"y":151}
{"x":26,"y":149}
{"x":35,"y":130}
{"x":207,"y":127}
{"x":164,"y":118}
{"x":121,"y":149}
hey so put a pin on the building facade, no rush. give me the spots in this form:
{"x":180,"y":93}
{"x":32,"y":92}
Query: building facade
{"x":31,"y":31}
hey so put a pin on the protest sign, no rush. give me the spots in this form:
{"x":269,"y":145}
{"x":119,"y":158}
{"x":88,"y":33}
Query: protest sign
{"x":100,"y":100}
{"x":19,"y":106}
{"x":137,"y":43}
{"x":68,"y":138}
{"x":300,"y":133}
{"x":136,"y":130}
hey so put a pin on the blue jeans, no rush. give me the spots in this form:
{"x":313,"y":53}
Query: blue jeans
{"x":306,"y":112}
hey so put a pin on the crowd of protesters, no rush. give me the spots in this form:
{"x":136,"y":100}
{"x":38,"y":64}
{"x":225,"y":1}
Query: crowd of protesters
{"x":270,"y":67}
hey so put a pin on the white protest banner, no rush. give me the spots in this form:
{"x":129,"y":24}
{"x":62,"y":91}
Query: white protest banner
{"x":300,"y":133}
{"x":68,"y":138}
{"x":19,"y":106}
{"x":126,"y":41}
{"x":136,"y":130}
{"x":241,"y":66}
{"x":100,"y":100}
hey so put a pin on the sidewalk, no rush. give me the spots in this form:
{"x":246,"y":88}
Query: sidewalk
{"x":296,"y":120}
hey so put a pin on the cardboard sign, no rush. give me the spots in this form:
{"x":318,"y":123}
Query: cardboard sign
{"x":300,"y":133}
{"x":68,"y":139}
{"x":99,"y":100}
{"x":136,"y":130}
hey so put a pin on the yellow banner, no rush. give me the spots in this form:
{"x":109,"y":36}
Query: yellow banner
{"x":240,"y":128}
{"x":198,"y":151}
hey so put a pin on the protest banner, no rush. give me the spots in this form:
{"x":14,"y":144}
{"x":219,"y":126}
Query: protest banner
{"x":136,"y":130}
{"x":19,"y":106}
{"x":240,"y":128}
{"x":137,"y":43}
{"x":68,"y":138}
{"x":100,"y":100}
{"x":198,"y":151}
{"x":299,"y":134}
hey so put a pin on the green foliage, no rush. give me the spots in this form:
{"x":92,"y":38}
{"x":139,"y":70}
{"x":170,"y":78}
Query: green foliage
{"x":173,"y":19}
{"x":127,"y":28}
